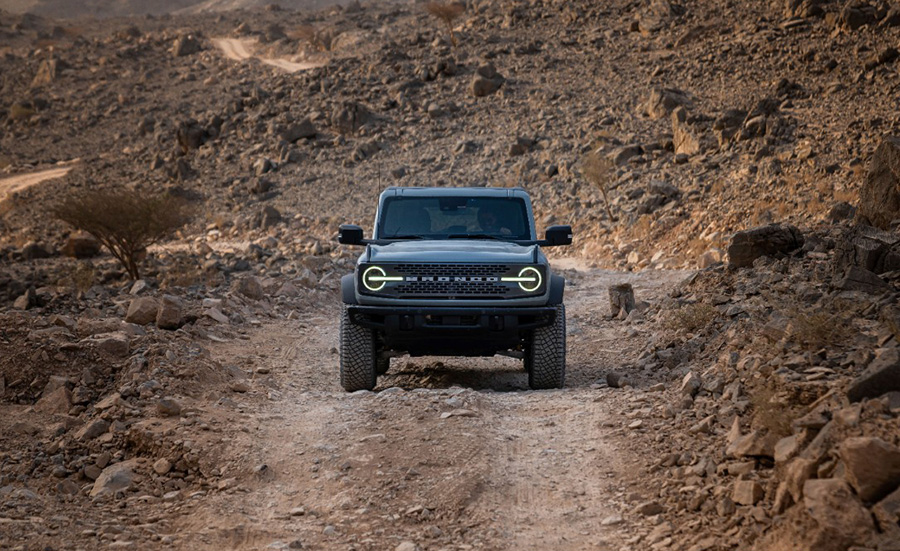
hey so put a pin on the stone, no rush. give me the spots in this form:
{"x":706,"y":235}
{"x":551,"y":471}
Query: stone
{"x":269,"y":217}
{"x":46,"y":73}
{"x":861,"y":279}
{"x":746,"y":246}
{"x":170,"y":314}
{"x":250,"y":287}
{"x":168,"y":407}
{"x":92,"y":471}
{"x":33,"y":251}
{"x":753,"y":444}
{"x":114,"y":344}
{"x":142,"y":311}
{"x":407,"y":546}
{"x":871,"y":466}
{"x":299,"y":130}
{"x":26,"y":301}
{"x":186,"y":45}
{"x":887,"y":513}
{"x":688,"y":136}
{"x":113,"y":399}
{"x":57,"y":402}
{"x":875,"y":250}
{"x":879,"y":196}
{"x":747,"y":492}
{"x":787,"y":448}
{"x":162,"y":466}
{"x":690,"y":384}
{"x":621,"y":297}
{"x":485,"y":81}
{"x":81,"y":245}
{"x":649,"y":508}
{"x":115,"y":478}
{"x":216,"y":315}
{"x":350,"y":116}
{"x":881,"y":376}
{"x":841,"y":519}
{"x":92,"y":430}
{"x":662,"y":101}
{"x":621,"y":155}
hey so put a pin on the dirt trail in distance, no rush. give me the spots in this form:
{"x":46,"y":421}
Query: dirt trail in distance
{"x":449,"y":453}
{"x":241,"y":49}
{"x":19,"y":182}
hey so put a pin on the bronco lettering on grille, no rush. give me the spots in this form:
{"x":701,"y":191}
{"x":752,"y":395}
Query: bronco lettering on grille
{"x":453,"y":278}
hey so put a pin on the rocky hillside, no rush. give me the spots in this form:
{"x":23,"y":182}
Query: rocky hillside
{"x":748,"y":144}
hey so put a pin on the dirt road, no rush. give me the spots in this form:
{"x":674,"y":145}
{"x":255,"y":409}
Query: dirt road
{"x":19,"y":182}
{"x":446,"y":454}
{"x":240,"y":49}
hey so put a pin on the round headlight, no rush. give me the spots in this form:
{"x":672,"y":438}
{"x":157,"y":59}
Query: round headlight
{"x":373,"y":278}
{"x":530,"y":279}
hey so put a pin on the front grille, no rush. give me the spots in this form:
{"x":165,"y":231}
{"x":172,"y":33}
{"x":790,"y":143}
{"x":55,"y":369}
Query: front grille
{"x":451,"y":280}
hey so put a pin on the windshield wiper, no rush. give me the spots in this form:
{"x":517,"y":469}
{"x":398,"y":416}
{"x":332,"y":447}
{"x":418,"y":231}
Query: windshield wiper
{"x":476,"y":236}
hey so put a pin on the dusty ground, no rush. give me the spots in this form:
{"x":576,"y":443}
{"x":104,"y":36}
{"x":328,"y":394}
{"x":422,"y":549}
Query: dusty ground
{"x":446,"y":453}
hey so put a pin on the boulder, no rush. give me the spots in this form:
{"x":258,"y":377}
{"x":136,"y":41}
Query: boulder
{"x":142,"y":311}
{"x":250,"y":287}
{"x":57,"y":402}
{"x":872,"y":466}
{"x":887,"y":513}
{"x":168,"y":407}
{"x":299,"y":130}
{"x":485,"y":81}
{"x":688,"y":133}
{"x":747,"y":492}
{"x":621,"y":297}
{"x":774,"y":239}
{"x":170,"y":314}
{"x":115,"y":343}
{"x":861,"y":279}
{"x":879,"y":197}
{"x":186,"y":45}
{"x":81,"y":245}
{"x":875,"y":250}
{"x":662,"y":101}
{"x":92,"y":430}
{"x":753,"y":444}
{"x":881,"y":376}
{"x":115,"y":478}
{"x":350,"y":116}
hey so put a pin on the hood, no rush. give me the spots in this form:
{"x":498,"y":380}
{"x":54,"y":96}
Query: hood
{"x":456,"y":250}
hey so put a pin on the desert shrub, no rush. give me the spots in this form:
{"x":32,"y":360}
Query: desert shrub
{"x":773,"y":411}
{"x":321,"y":39}
{"x":448,"y":13}
{"x":81,"y":278}
{"x":599,"y":171}
{"x":19,"y":111}
{"x":816,"y":330}
{"x":690,"y":318}
{"x":125,"y":221}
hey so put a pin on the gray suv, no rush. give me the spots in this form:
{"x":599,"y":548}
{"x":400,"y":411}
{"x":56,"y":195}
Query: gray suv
{"x":453,"y":272}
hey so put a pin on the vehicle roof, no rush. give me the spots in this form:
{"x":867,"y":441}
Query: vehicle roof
{"x":394,"y":191}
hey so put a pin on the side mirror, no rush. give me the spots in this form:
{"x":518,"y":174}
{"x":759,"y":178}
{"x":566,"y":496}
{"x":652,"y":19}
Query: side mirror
{"x":350,"y":234}
{"x":558,"y":235}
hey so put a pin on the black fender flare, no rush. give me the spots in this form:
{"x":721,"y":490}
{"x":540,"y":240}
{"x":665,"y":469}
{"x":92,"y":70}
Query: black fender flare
{"x":348,"y":289}
{"x":557,"y":288}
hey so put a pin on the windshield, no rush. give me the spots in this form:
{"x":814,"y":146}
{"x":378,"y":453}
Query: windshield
{"x":454,"y":217}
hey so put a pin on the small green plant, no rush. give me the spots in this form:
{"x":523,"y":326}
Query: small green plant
{"x":691,"y":318}
{"x":448,"y":13}
{"x":599,"y":170}
{"x":125,"y":221}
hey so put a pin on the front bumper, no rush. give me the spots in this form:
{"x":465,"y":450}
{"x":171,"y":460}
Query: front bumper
{"x":435,"y":330}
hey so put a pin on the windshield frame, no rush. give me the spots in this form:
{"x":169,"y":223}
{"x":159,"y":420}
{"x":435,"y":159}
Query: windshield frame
{"x":528,"y":230}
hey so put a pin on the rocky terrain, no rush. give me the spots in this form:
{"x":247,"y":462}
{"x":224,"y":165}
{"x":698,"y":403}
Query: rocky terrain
{"x":749,"y":398}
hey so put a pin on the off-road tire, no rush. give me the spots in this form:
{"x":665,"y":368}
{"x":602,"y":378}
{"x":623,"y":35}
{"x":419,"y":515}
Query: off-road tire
{"x":545,"y":360}
{"x":358,"y":357}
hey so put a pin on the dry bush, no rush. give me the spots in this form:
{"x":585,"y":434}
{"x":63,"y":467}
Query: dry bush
{"x":18,"y":112}
{"x":321,"y":39}
{"x":817,"y":330}
{"x":448,"y":13}
{"x":690,"y":318}
{"x":125,"y":221}
{"x":773,"y":411}
{"x":599,"y":170}
{"x":81,"y":278}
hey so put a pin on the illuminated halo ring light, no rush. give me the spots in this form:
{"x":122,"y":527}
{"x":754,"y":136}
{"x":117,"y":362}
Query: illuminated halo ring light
{"x":374,"y":278}
{"x":529,"y":279}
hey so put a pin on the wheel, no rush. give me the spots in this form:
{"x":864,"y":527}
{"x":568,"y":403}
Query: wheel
{"x":545,"y":361}
{"x":357,"y":355}
{"x":382,"y":364}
